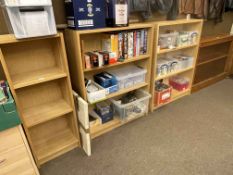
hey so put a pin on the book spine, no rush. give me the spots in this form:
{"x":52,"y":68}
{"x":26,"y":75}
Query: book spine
{"x":134,"y":43}
{"x":142,"y":42}
{"x":87,"y":61}
{"x":120,"y":46}
{"x":138,"y":37}
{"x":125,"y":45}
{"x":130,"y":45}
{"x":112,"y":38}
{"x":145,"y":41}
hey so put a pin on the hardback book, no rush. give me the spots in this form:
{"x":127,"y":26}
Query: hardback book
{"x":130,"y":45}
{"x":134,"y":43}
{"x":120,"y":46}
{"x":138,"y":38}
{"x":125,"y":44}
{"x":145,"y":41}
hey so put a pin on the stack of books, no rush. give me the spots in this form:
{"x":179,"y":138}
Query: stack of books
{"x":117,"y":47}
{"x":127,"y":44}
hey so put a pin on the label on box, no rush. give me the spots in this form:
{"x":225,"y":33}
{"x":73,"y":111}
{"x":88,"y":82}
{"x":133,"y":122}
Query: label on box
{"x":166,"y":96}
{"x":121,"y":13}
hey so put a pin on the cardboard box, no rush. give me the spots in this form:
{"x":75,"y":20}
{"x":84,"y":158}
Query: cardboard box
{"x":85,"y":14}
{"x":8,"y":114}
{"x":163,"y":96}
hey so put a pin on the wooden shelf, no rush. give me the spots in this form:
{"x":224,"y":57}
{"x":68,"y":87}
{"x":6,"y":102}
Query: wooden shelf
{"x":115,"y":123}
{"x":127,"y":61}
{"x":36,"y":77}
{"x":179,"y":94}
{"x":124,"y":91}
{"x":130,"y":27}
{"x":175,"y":96}
{"x":173,"y":73}
{"x":59,"y":142}
{"x":46,"y":112}
{"x":216,"y":39}
{"x":81,"y":42}
{"x":196,"y":87}
{"x":176,"y":49}
{"x":178,"y":22}
{"x":213,"y":59}
{"x":37,"y":72}
{"x":189,"y":50}
{"x":9,"y":38}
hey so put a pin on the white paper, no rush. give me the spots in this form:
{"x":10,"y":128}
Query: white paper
{"x":35,"y":23}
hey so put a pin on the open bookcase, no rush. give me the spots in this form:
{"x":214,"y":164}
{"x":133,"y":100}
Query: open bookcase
{"x":79,"y":42}
{"x":38,"y":75}
{"x":214,"y":60}
{"x":190,"y":50}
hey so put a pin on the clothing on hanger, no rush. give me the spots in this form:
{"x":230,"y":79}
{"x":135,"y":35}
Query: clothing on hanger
{"x":216,"y":10}
{"x":146,"y":7}
{"x":229,"y":5}
{"x":198,"y":8}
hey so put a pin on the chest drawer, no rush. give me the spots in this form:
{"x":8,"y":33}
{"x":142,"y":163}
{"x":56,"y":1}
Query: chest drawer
{"x":16,"y":161}
{"x":10,"y":139}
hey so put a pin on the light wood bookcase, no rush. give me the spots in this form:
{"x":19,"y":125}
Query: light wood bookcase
{"x":78,"y":42}
{"x":214,"y":60}
{"x":37,"y":72}
{"x":190,"y":50}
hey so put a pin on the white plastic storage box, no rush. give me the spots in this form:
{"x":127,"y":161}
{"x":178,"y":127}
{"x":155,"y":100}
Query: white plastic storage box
{"x":26,"y":20}
{"x":134,"y":109}
{"x":94,"y":97}
{"x":129,"y":75}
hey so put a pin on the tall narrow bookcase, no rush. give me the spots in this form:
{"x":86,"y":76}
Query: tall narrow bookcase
{"x":79,"y":42}
{"x":38,"y":75}
{"x":190,"y":50}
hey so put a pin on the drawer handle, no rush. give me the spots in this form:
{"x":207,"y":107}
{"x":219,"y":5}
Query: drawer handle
{"x":2,"y":161}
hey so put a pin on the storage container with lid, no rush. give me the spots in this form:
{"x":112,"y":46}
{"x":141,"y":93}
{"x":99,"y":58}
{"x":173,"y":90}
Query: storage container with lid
{"x":129,"y":75}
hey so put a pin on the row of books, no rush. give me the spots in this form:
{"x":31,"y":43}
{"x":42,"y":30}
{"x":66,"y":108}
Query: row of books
{"x":127,"y":44}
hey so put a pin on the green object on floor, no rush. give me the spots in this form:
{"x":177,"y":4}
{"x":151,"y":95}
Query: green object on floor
{"x":8,"y":114}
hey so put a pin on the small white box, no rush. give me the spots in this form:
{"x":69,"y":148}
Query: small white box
{"x":96,"y":96}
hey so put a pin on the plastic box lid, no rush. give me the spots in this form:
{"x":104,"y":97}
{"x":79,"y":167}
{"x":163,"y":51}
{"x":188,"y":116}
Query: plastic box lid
{"x":25,"y":3}
{"x":127,"y":72}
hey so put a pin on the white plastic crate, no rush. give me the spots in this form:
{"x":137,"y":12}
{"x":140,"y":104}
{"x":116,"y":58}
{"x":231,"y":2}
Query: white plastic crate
{"x":134,"y":109}
{"x":128,"y":76}
{"x":30,"y":21}
{"x":20,"y":3}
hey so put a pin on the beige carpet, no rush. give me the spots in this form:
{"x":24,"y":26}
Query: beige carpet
{"x":192,"y":136}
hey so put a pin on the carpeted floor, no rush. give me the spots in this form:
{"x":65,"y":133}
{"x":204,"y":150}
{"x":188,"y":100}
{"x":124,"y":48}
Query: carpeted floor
{"x":192,"y":136}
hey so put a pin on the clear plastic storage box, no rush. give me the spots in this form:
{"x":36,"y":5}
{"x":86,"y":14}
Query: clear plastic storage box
{"x":128,"y":76}
{"x":134,"y":109}
{"x":29,"y":18}
{"x":168,"y":40}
